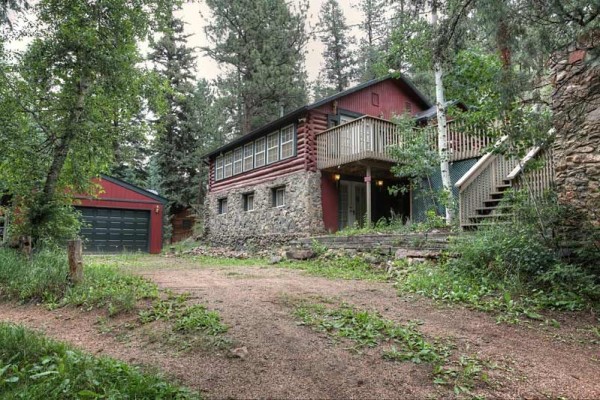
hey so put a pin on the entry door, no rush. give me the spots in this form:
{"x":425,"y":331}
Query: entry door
{"x":353,"y":203}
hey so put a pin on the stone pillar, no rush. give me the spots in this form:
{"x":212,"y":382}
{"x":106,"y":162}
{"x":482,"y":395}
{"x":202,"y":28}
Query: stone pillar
{"x":576,"y":118}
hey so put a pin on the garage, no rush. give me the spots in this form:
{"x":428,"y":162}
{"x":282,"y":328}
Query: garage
{"x":121,"y":218}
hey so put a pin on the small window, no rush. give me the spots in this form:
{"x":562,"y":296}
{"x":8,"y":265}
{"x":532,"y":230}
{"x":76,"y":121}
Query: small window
{"x":222,"y":209}
{"x":273,"y":147}
{"x":408,"y":107}
{"x":219,"y":168}
{"x":238,"y":155}
{"x":278,"y":196}
{"x":287,"y":142}
{"x":375,"y":99}
{"x":249,"y":201}
{"x":248,"y":156}
{"x":228,"y":165}
{"x":259,"y":153}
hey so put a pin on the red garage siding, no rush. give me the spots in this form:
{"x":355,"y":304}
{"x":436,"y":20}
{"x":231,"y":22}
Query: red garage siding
{"x":123,"y":196}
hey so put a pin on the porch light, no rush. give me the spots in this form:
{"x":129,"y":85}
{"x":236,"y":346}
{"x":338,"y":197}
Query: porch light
{"x":379,"y":183}
{"x":336,"y":177}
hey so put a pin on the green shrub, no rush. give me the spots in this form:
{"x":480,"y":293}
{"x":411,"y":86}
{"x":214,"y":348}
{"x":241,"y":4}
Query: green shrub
{"x":33,"y":367}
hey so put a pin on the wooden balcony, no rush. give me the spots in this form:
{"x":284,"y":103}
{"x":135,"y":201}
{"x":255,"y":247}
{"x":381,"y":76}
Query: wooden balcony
{"x":370,"y":138}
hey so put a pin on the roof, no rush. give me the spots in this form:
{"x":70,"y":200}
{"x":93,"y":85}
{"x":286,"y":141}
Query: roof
{"x":293,"y":115}
{"x":431,"y":112}
{"x":134,"y":188}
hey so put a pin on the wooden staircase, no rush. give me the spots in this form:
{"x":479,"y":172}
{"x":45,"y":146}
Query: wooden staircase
{"x":494,"y":209}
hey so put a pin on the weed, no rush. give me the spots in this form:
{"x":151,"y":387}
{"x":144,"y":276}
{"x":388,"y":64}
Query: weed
{"x":338,"y":268}
{"x":33,"y":367}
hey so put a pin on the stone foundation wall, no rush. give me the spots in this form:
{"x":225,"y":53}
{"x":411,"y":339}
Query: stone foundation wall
{"x":266,"y":225}
{"x":576,"y":117}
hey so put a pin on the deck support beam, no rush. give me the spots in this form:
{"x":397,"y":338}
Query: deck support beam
{"x":369,"y":203}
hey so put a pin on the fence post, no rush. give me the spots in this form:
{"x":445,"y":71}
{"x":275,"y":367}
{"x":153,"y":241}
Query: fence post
{"x":74,"y":250}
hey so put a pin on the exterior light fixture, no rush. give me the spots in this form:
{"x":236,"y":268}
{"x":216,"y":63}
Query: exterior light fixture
{"x":379,"y":183}
{"x":336,"y":177}
{"x":157,"y":209}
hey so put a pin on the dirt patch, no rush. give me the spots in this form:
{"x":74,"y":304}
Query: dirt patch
{"x":286,"y":360}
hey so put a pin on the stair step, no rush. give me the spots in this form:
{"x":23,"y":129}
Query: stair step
{"x":474,"y":225}
{"x":502,"y":188}
{"x":490,"y":216}
{"x":498,"y":207}
{"x":494,"y":195}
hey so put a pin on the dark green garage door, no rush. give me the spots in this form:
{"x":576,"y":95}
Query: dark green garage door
{"x":109,"y":230}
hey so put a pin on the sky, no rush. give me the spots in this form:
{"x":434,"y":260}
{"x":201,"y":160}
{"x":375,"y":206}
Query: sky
{"x":209,"y":69}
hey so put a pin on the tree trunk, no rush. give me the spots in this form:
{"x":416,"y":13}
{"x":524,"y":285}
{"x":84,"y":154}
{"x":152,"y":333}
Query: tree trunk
{"x":442,"y":126}
{"x":74,"y":250}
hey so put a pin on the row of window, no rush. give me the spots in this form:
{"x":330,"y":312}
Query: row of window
{"x":277,"y":200}
{"x":266,"y":150}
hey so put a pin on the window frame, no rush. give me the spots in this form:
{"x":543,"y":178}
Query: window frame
{"x":219,"y":166}
{"x":228,"y":165}
{"x":260,"y":150}
{"x":238,"y":161}
{"x":248,"y":157}
{"x":291,"y":142}
{"x":274,"y":192}
{"x":222,"y":206}
{"x":247,"y":200}
{"x":275,"y":147}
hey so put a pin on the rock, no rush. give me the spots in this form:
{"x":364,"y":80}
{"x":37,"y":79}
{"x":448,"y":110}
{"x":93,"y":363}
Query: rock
{"x":239,"y":352}
{"x":371,"y":259}
{"x":300,"y":254}
{"x":275,"y":259}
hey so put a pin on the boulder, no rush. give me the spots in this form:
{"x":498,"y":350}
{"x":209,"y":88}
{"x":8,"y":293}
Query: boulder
{"x":300,"y":254}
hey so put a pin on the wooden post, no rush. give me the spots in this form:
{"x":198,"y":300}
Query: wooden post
{"x":74,"y":250}
{"x":26,"y":245}
{"x":368,"y":183}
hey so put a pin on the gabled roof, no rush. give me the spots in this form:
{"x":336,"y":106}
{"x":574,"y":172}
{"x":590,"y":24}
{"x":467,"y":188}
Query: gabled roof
{"x":134,"y":188}
{"x":292,"y":116}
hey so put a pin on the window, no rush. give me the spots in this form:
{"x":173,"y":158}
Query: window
{"x":259,"y":153}
{"x":278,"y":196}
{"x":375,"y":99}
{"x":187,"y":223}
{"x":228,"y":165}
{"x":408,"y":107}
{"x":238,"y":155}
{"x":272,"y":147}
{"x":219,"y":168}
{"x":248,"y":201}
{"x":248,"y":156}
{"x":287,"y":142}
{"x":222,"y":208}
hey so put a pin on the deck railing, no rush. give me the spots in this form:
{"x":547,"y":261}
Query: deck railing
{"x":371,"y":138}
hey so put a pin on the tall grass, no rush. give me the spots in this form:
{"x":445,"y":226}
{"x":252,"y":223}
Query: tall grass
{"x":34,"y":367}
{"x":44,"y":279}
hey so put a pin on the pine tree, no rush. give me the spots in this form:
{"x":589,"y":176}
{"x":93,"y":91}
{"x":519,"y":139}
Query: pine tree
{"x":175,"y":143}
{"x":262,"y":44}
{"x":375,"y":30}
{"x":340,"y":64}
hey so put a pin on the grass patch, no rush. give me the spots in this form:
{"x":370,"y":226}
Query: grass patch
{"x":44,"y":279}
{"x":338,"y":268}
{"x":34,"y":367}
{"x":400,"y":343}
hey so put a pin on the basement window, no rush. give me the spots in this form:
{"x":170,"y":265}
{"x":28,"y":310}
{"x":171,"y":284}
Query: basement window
{"x":278,"y":196}
{"x":222,"y":206}
{"x":248,"y":201}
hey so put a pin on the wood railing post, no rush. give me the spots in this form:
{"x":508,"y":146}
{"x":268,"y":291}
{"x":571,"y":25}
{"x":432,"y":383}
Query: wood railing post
{"x":74,"y":249}
{"x":369,"y":202}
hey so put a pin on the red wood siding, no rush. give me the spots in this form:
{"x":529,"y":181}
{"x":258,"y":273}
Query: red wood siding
{"x":392,"y":100}
{"x":329,"y":202}
{"x":116,"y":196}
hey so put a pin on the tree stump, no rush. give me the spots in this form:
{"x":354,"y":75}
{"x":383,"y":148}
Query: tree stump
{"x":74,"y":250}
{"x":26,"y":245}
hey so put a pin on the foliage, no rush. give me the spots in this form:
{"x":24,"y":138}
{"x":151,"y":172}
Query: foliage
{"x":44,"y":279}
{"x":261,"y":43}
{"x":338,"y":267}
{"x":372,"y":46}
{"x":340,"y":65}
{"x":60,"y":100}
{"x":186,"y":319}
{"x":34,"y":367}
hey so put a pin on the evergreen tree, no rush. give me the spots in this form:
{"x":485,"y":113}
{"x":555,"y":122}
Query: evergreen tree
{"x":375,"y":30}
{"x":175,"y":143}
{"x":262,"y":42}
{"x":340,"y":64}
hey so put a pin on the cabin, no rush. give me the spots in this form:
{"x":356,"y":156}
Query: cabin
{"x":326,"y":166}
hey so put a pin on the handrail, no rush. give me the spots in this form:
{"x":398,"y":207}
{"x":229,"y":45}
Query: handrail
{"x":468,"y":177}
{"x":518,"y":169}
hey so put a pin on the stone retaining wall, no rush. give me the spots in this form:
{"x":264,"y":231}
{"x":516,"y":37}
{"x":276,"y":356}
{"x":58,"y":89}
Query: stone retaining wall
{"x":266,"y":225}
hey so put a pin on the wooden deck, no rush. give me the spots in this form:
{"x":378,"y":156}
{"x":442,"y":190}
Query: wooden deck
{"x":372,"y":138}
